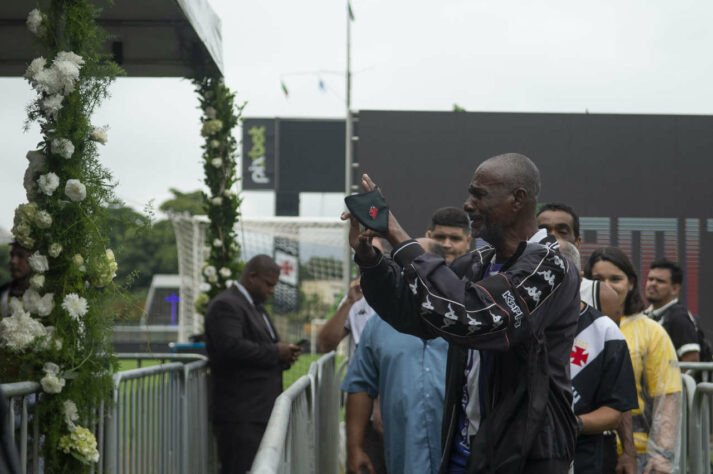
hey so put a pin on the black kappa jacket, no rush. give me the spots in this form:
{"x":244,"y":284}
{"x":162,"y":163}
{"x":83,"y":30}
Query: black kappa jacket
{"x":524,"y":318}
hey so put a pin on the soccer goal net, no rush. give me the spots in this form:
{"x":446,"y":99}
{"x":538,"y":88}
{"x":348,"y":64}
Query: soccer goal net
{"x":314,"y":268}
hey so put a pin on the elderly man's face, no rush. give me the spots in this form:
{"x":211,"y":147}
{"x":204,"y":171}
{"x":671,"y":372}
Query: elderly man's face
{"x":488,"y":205}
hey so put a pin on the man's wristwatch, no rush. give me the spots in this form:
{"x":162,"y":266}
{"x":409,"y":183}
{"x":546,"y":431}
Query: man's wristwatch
{"x":580,"y":425}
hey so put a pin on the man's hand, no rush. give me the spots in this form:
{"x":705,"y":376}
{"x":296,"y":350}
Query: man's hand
{"x":658,"y":465}
{"x":358,"y":461}
{"x":361,"y":241}
{"x":626,"y":464}
{"x":354,"y":294}
{"x":288,"y":353}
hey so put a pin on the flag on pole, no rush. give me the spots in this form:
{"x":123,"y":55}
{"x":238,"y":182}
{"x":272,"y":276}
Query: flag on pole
{"x":284,"y":89}
{"x":351,"y":13}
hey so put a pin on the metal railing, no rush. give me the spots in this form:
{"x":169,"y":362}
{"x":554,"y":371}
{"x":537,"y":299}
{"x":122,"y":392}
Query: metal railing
{"x":159,"y":418}
{"x":157,"y":422}
{"x":24,"y":395}
{"x":699,"y":423}
{"x":302,"y":435}
{"x":688,"y":385}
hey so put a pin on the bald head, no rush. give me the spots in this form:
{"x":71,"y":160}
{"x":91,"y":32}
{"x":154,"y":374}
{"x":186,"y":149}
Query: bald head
{"x":261,"y":265}
{"x":570,"y":251}
{"x":515,"y":171}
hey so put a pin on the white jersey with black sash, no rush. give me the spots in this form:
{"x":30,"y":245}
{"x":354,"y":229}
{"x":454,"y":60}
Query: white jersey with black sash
{"x":602,"y":375}
{"x":589,"y":292}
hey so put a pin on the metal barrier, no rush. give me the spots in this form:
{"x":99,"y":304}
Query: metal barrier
{"x":286,"y":446}
{"x":302,"y":435}
{"x":688,"y":385}
{"x":700,"y":430}
{"x":326,"y":389}
{"x":24,"y":394}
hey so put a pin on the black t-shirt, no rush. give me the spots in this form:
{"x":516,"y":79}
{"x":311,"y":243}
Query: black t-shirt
{"x":602,"y":375}
{"x":680,"y":327}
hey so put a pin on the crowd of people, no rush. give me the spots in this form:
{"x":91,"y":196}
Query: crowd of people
{"x":509,"y":358}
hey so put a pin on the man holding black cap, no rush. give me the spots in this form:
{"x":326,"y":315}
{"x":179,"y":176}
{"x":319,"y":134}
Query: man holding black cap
{"x":509,"y":313}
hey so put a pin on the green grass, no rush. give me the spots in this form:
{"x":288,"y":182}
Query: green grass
{"x":289,"y":376}
{"x":301,"y":367}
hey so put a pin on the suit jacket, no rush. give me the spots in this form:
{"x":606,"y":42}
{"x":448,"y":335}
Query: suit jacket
{"x":246,"y":373}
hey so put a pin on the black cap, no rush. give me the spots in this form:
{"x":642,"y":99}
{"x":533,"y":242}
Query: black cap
{"x":370,"y":209}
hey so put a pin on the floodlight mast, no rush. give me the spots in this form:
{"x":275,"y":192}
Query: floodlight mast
{"x":348,"y":189}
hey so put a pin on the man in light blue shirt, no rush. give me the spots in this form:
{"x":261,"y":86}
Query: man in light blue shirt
{"x":408,"y":373}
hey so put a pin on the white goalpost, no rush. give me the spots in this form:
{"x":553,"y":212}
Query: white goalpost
{"x":310,"y":251}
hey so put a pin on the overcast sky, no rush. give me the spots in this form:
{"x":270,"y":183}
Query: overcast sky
{"x":519,"y":56}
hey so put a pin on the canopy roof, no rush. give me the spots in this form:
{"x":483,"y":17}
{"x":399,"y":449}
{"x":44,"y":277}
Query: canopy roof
{"x":151,"y":38}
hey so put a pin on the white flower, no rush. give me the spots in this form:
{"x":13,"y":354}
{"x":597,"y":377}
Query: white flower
{"x":99,"y":135}
{"x":107,"y":269}
{"x":217,"y":243}
{"x":34,"y":22}
{"x":52,"y":105}
{"x":75,"y":305}
{"x":15,"y":304}
{"x":217,"y":201}
{"x":213,"y":278}
{"x":78,"y":259}
{"x":62,"y":147}
{"x":206,"y":252}
{"x":36,"y":66}
{"x":50,"y":368}
{"x":37,"y":281}
{"x":52,"y":384}
{"x":216,"y":162}
{"x":204,"y":287}
{"x":46,"y":81}
{"x":54,"y":250}
{"x":43,"y":219}
{"x":227,"y":193}
{"x":30,"y":300}
{"x":214,"y":144}
{"x":34,"y":303}
{"x":210,"y":112}
{"x":45,"y":305}
{"x":70,"y":57}
{"x":19,"y":330}
{"x":48,"y":183}
{"x":225,"y":272}
{"x":70,"y":412}
{"x":75,"y":190}
{"x":209,"y":271}
{"x":38,"y":262}
{"x":67,"y":65}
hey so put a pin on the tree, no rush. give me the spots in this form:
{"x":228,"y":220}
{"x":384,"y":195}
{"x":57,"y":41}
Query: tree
{"x":190,"y":202}
{"x":142,"y":248}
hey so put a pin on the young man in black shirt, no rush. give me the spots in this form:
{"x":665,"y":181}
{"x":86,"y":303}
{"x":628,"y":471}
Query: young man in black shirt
{"x":662,"y":287}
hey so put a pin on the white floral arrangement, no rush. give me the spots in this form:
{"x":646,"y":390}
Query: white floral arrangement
{"x":67,"y":191}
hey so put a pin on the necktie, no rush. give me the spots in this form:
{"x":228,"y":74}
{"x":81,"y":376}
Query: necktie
{"x":261,"y":309}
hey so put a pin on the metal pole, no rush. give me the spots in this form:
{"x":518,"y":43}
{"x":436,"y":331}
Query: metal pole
{"x":348,"y":151}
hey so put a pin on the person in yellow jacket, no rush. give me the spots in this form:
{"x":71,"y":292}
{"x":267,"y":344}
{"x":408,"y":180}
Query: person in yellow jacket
{"x":656,"y":423}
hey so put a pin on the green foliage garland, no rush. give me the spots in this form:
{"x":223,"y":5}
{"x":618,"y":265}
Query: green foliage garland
{"x":220,"y":116}
{"x":57,"y":334}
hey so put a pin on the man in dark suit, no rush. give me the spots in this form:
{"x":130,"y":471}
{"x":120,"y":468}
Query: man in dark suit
{"x":246,"y":361}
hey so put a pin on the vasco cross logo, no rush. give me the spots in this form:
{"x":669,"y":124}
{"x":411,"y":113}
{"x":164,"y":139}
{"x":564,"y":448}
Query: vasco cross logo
{"x":373,"y":211}
{"x":517,"y":312}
